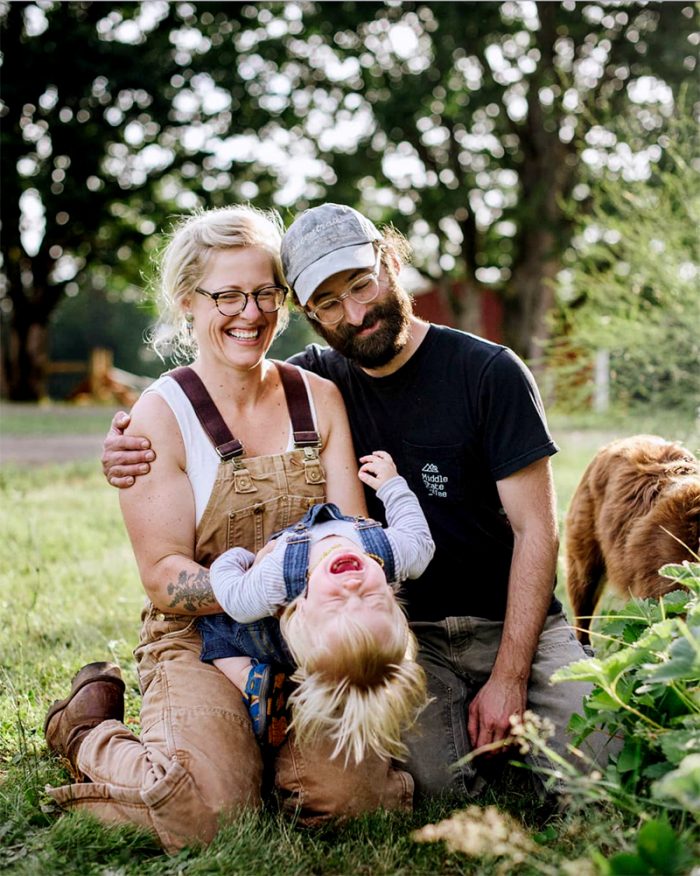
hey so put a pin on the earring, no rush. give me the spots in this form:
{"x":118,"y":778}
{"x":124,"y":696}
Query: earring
{"x":189,"y":322}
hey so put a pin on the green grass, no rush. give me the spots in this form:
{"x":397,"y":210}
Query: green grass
{"x":54,"y":418}
{"x":70,"y":594}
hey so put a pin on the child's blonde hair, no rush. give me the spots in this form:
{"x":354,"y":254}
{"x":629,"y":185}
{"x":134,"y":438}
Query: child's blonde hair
{"x":363,"y":692}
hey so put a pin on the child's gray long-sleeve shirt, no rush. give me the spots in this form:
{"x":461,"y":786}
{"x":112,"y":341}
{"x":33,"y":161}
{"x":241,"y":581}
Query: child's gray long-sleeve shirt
{"x":247,"y":593}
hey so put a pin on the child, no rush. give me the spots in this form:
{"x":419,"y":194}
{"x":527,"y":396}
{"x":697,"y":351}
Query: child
{"x":341,"y":629}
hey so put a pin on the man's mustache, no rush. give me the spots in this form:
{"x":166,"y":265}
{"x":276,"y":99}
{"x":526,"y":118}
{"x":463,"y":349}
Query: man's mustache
{"x":370,"y":318}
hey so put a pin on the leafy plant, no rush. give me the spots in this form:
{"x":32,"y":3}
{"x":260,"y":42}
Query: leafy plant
{"x":658,"y":851}
{"x":647,"y":690}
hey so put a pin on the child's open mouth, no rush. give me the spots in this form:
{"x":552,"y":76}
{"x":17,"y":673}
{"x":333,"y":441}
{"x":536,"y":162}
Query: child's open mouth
{"x":346,"y":563}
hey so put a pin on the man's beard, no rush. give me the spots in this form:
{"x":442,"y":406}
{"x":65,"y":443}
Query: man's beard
{"x":382,"y":345}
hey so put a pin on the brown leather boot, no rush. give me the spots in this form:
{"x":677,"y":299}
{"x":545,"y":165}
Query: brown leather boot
{"x":96,"y":695}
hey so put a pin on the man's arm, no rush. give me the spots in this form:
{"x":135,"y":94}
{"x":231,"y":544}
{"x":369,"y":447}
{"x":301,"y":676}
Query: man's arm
{"x":124,"y":457}
{"x":529,"y":501}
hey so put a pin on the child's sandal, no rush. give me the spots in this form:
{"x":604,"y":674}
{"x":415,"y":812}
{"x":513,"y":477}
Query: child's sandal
{"x":266,"y":697}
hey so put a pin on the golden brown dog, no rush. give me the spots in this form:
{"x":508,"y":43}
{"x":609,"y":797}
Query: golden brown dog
{"x":637,"y":507}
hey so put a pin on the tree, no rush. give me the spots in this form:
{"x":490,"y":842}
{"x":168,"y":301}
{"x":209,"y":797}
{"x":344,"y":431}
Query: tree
{"x":465,"y":124}
{"x":64,"y":139}
{"x":630,"y":284}
{"x":475,"y":119}
{"x":94,"y":151}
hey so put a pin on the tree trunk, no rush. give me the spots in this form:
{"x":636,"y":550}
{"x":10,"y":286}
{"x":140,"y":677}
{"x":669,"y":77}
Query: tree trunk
{"x":26,"y":360}
{"x":547,"y":171}
{"x":531,"y":297}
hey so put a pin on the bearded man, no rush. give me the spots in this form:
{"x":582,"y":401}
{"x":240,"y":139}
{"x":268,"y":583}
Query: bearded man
{"x":464,"y":422}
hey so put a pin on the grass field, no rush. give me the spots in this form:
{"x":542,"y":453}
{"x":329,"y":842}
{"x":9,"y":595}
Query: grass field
{"x":69,"y":594}
{"x":54,"y":418}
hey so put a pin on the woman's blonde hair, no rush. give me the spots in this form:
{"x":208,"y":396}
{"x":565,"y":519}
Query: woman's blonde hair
{"x":183,"y":261}
{"x":362,"y":692}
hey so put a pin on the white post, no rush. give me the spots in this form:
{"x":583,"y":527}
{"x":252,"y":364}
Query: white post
{"x":601,"y":396}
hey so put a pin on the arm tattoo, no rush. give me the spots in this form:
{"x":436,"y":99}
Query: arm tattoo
{"x":192,"y":592}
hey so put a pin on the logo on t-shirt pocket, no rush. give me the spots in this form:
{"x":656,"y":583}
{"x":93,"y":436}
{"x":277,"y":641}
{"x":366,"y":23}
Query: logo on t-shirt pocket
{"x":433,"y":481}
{"x":435,"y":472}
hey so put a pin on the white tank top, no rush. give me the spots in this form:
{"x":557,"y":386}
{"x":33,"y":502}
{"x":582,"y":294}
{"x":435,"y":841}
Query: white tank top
{"x":201,"y":459}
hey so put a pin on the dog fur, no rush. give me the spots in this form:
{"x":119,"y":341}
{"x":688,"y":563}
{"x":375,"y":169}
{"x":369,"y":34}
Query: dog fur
{"x":636,"y":508}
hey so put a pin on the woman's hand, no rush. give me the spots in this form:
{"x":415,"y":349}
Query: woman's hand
{"x":377,"y":468}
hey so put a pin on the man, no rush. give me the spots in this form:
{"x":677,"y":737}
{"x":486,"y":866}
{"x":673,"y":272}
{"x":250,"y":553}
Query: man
{"x":464,"y":422}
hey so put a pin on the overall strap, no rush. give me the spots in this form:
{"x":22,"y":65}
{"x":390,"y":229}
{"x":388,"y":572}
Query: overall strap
{"x":296,"y":564}
{"x":375,"y":542}
{"x":299,"y":406}
{"x":207,"y":413}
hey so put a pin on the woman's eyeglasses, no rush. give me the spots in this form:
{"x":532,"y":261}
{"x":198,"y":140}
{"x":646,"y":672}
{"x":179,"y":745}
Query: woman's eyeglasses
{"x":269,"y":299}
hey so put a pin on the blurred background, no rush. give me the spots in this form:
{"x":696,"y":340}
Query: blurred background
{"x":541,"y":158}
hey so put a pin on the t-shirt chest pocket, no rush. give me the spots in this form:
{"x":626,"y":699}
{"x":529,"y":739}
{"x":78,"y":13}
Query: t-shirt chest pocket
{"x":434,"y":472}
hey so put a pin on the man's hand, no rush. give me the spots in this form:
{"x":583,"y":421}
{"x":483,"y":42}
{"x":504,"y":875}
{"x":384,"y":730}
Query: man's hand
{"x":376,"y":469}
{"x":124,"y":458}
{"x":491,"y":708}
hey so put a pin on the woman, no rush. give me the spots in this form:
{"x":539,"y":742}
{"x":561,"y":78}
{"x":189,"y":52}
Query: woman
{"x":222,"y":295}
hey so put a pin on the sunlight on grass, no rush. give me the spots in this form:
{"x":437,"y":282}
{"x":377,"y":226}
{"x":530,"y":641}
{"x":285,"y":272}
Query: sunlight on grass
{"x":54,"y":418}
{"x":70,"y":594}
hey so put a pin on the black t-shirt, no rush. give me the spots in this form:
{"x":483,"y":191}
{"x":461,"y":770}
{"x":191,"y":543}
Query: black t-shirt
{"x":461,"y":414}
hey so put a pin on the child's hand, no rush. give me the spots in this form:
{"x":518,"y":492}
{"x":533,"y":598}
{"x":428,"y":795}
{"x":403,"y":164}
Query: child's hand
{"x":266,"y":549}
{"x":377,"y":468}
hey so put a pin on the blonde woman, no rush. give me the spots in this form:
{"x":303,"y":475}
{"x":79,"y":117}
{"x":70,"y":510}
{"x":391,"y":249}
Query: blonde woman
{"x":244,"y":447}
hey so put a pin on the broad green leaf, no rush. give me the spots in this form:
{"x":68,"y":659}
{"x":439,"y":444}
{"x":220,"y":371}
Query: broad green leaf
{"x":659,"y":846}
{"x":677,"y":744}
{"x":688,"y":573}
{"x":676,"y":601}
{"x":643,"y":697}
{"x":630,"y":757}
{"x":658,"y":636}
{"x":624,"y":659}
{"x":656,"y":770}
{"x":590,"y":669}
{"x":683,"y":663}
{"x":627,"y":864}
{"x":600,"y":700}
{"x":682,"y":785}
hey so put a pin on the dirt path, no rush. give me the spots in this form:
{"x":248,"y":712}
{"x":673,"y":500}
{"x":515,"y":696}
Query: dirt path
{"x":49,"y":449}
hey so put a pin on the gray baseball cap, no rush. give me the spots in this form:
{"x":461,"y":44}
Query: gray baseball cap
{"x":323,"y":241}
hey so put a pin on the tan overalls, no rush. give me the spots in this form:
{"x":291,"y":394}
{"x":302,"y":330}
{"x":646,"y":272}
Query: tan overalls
{"x":197,"y":759}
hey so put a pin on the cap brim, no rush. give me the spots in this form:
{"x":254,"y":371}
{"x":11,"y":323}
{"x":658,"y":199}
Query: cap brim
{"x":345,"y":259}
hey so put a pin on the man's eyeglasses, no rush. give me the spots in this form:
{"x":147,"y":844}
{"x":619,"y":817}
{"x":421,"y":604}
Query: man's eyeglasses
{"x":363,"y":290}
{"x":269,"y":299}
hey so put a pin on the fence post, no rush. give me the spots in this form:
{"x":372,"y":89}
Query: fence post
{"x":601,"y":395}
{"x":101,"y":363}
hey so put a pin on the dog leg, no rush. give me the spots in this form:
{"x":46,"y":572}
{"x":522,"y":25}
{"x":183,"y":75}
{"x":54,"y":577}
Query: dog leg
{"x":585,"y":567}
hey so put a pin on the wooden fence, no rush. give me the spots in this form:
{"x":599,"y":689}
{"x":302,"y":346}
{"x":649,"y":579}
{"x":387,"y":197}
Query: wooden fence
{"x":101,"y":381}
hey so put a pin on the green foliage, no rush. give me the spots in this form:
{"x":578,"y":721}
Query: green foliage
{"x":658,"y":851}
{"x":117,"y":115}
{"x":632,"y":283}
{"x":647,"y":691}
{"x":69,"y":594}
